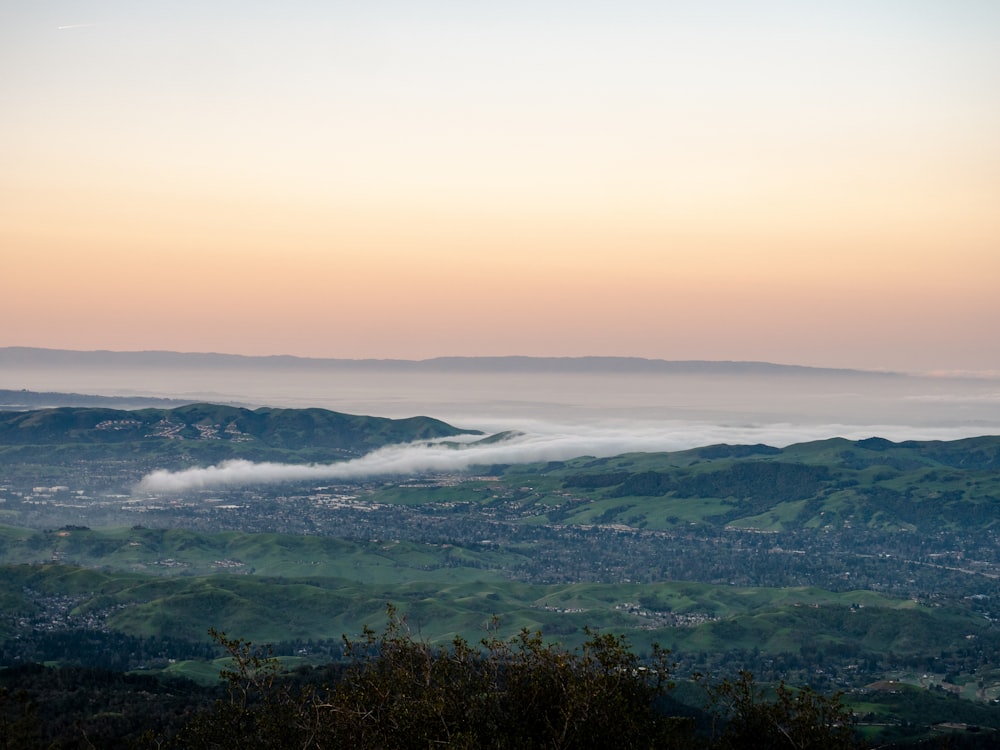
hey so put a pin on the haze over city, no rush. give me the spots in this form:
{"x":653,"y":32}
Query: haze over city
{"x":807,"y":183}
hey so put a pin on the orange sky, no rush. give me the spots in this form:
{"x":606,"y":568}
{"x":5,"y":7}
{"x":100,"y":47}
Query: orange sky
{"x":793,"y":184}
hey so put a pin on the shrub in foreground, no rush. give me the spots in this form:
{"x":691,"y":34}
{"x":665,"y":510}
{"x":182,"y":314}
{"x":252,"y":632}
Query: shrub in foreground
{"x":401,"y":692}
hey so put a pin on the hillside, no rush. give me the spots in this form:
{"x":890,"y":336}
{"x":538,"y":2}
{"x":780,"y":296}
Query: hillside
{"x":926,"y":486}
{"x":208,"y":432}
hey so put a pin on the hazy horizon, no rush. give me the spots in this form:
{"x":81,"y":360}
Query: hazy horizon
{"x":567,"y":412}
{"x":554,"y":409}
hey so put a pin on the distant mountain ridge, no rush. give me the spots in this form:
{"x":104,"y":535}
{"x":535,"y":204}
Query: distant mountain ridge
{"x":31,"y":356}
{"x":23,"y":400}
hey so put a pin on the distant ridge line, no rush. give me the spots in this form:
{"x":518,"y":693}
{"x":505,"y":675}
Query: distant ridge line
{"x":24,"y":399}
{"x":27,"y":356}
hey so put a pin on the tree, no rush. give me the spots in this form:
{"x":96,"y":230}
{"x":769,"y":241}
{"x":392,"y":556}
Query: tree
{"x":795,"y":719}
{"x":260,"y":710}
{"x":398,"y":691}
{"x":517,"y":693}
{"x":19,"y":725}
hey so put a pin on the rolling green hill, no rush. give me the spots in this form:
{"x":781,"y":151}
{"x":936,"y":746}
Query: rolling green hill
{"x":146,"y":582}
{"x":169,"y":552}
{"x":344,"y":596}
{"x":203,"y":432}
{"x":836,"y":483}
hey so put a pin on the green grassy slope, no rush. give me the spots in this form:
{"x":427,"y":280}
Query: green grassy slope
{"x":836,"y":483}
{"x":179,"y":551}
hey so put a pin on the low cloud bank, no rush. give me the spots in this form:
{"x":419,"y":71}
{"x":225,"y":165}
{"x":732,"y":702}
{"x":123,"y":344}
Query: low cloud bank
{"x":544,"y":443}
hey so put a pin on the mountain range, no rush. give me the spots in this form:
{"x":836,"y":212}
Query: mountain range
{"x":15,"y":356}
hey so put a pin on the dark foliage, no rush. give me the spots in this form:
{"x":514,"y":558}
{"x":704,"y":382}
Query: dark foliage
{"x":99,"y":649}
{"x":595,"y":481}
{"x":724,"y":450}
{"x":75,"y":707}
{"x":793,"y":719}
{"x":765,"y":482}
{"x":400,"y":692}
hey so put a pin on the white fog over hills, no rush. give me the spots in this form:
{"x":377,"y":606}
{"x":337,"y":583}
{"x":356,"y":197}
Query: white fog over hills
{"x":556,"y":408}
{"x":674,"y":404}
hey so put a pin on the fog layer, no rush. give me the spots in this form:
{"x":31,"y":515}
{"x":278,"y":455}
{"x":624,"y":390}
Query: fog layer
{"x":559,"y":408}
{"x":546,"y":443}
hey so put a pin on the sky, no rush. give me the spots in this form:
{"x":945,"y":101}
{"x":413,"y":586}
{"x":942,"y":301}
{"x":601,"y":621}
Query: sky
{"x":795,"y":182}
